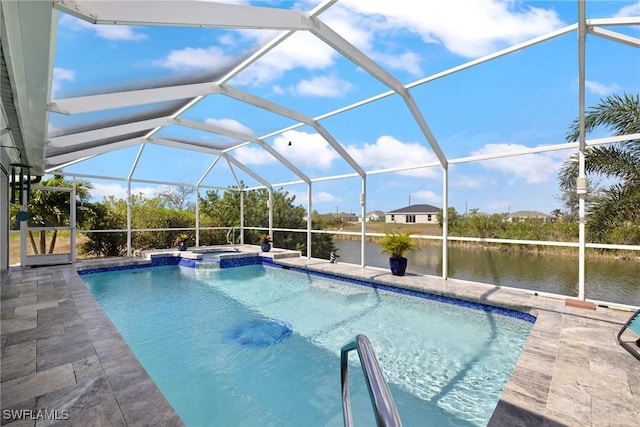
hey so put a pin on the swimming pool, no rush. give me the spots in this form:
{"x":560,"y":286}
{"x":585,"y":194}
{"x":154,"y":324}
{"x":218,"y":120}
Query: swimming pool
{"x":258,"y":345}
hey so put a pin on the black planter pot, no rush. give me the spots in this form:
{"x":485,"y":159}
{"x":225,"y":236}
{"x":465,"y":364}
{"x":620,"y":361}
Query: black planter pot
{"x":265,"y":247}
{"x":398,"y":266}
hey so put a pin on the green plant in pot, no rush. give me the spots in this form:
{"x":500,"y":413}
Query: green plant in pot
{"x":265,"y":242}
{"x":182,"y":241}
{"x":396,"y":245}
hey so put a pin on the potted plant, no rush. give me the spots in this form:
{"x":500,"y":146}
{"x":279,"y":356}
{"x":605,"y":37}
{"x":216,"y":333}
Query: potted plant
{"x":265,"y":242}
{"x":396,"y":245}
{"x":181,"y":242}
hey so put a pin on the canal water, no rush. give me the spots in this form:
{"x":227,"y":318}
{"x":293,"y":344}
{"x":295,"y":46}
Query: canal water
{"x":607,"y":279}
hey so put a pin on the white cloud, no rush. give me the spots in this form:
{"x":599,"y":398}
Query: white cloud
{"x":108,"y":32}
{"x":388,"y":152}
{"x":306,"y":149}
{"x":210,"y":59}
{"x":319,"y":197}
{"x":323,"y":86}
{"x":360,"y":29}
{"x":427,"y":195}
{"x":301,"y":50}
{"x":532,"y":168}
{"x":119,"y":32}
{"x":482,"y":26}
{"x":60,"y":75}
{"x":102,"y":190}
{"x":464,"y":181}
{"x":631,"y":10}
{"x":253,"y":155}
{"x":408,"y":61}
{"x":601,"y":89}
{"x":324,"y":197}
{"x":230,"y":124}
{"x":498,"y":206}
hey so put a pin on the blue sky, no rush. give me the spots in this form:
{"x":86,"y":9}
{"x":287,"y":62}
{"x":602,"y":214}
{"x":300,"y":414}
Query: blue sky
{"x":526,"y":99}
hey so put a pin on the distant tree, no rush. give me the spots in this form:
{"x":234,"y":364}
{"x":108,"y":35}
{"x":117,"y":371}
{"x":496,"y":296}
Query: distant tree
{"x":105,"y":216}
{"x":556,"y":213}
{"x":152,"y":213}
{"x":616,"y":205}
{"x":327,"y":220}
{"x":178,"y":197}
{"x":452,"y":214}
{"x":224,"y":211}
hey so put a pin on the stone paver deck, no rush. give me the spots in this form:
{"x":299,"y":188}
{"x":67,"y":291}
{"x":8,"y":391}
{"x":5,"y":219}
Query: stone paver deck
{"x":61,"y":353}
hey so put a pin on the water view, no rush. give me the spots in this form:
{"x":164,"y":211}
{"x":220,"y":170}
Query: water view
{"x":607,"y":279}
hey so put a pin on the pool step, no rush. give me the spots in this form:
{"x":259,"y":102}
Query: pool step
{"x":209,"y":265}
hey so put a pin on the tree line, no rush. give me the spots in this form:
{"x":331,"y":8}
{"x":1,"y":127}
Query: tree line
{"x":613,"y":204}
{"x":170,"y":208}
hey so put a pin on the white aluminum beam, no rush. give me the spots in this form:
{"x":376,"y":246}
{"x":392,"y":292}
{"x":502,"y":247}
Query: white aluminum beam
{"x":615,"y":36}
{"x":193,"y":147}
{"x":582,"y":36}
{"x":107,"y":101}
{"x":204,"y":175}
{"x":185,"y":146}
{"x":449,"y":71}
{"x":339,"y":148}
{"x":265,"y":104}
{"x":185,"y":13}
{"x":263,"y":50}
{"x":295,"y":115}
{"x":251,"y":173}
{"x":627,"y":20}
{"x":271,"y":44}
{"x":336,"y":41}
{"x":244,"y":137}
{"x":84,"y":154}
{"x":107,"y":132}
{"x":534,"y":41}
{"x":424,"y":127}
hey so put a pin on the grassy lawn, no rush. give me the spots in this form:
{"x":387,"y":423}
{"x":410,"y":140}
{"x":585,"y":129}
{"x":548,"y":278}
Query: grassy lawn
{"x":388,"y":227}
{"x":63,"y":244}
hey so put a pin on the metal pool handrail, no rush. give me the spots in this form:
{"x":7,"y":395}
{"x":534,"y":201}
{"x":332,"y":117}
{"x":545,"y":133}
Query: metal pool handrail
{"x":383,"y":404}
{"x":231,"y":230}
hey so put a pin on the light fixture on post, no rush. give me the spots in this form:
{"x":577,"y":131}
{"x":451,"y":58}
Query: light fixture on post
{"x":581,"y":185}
{"x":19,"y":182}
{"x":23,"y":177}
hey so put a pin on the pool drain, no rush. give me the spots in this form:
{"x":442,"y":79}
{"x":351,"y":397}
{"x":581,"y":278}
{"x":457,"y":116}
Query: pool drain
{"x":259,"y":332}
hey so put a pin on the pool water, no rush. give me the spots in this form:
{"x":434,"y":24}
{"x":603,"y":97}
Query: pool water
{"x":258,"y":345}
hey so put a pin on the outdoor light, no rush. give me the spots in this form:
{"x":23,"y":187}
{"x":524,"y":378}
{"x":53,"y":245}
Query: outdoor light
{"x":581,"y":185}
{"x":18,"y":182}
{"x":22,"y":178}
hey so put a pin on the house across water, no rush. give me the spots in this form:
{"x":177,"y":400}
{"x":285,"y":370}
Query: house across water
{"x":414,"y":214}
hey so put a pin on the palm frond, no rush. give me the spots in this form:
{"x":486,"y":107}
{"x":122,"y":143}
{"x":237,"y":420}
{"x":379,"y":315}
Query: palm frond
{"x":620,"y":114}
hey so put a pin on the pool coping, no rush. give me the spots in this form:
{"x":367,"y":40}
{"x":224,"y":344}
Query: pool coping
{"x":571,"y":370}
